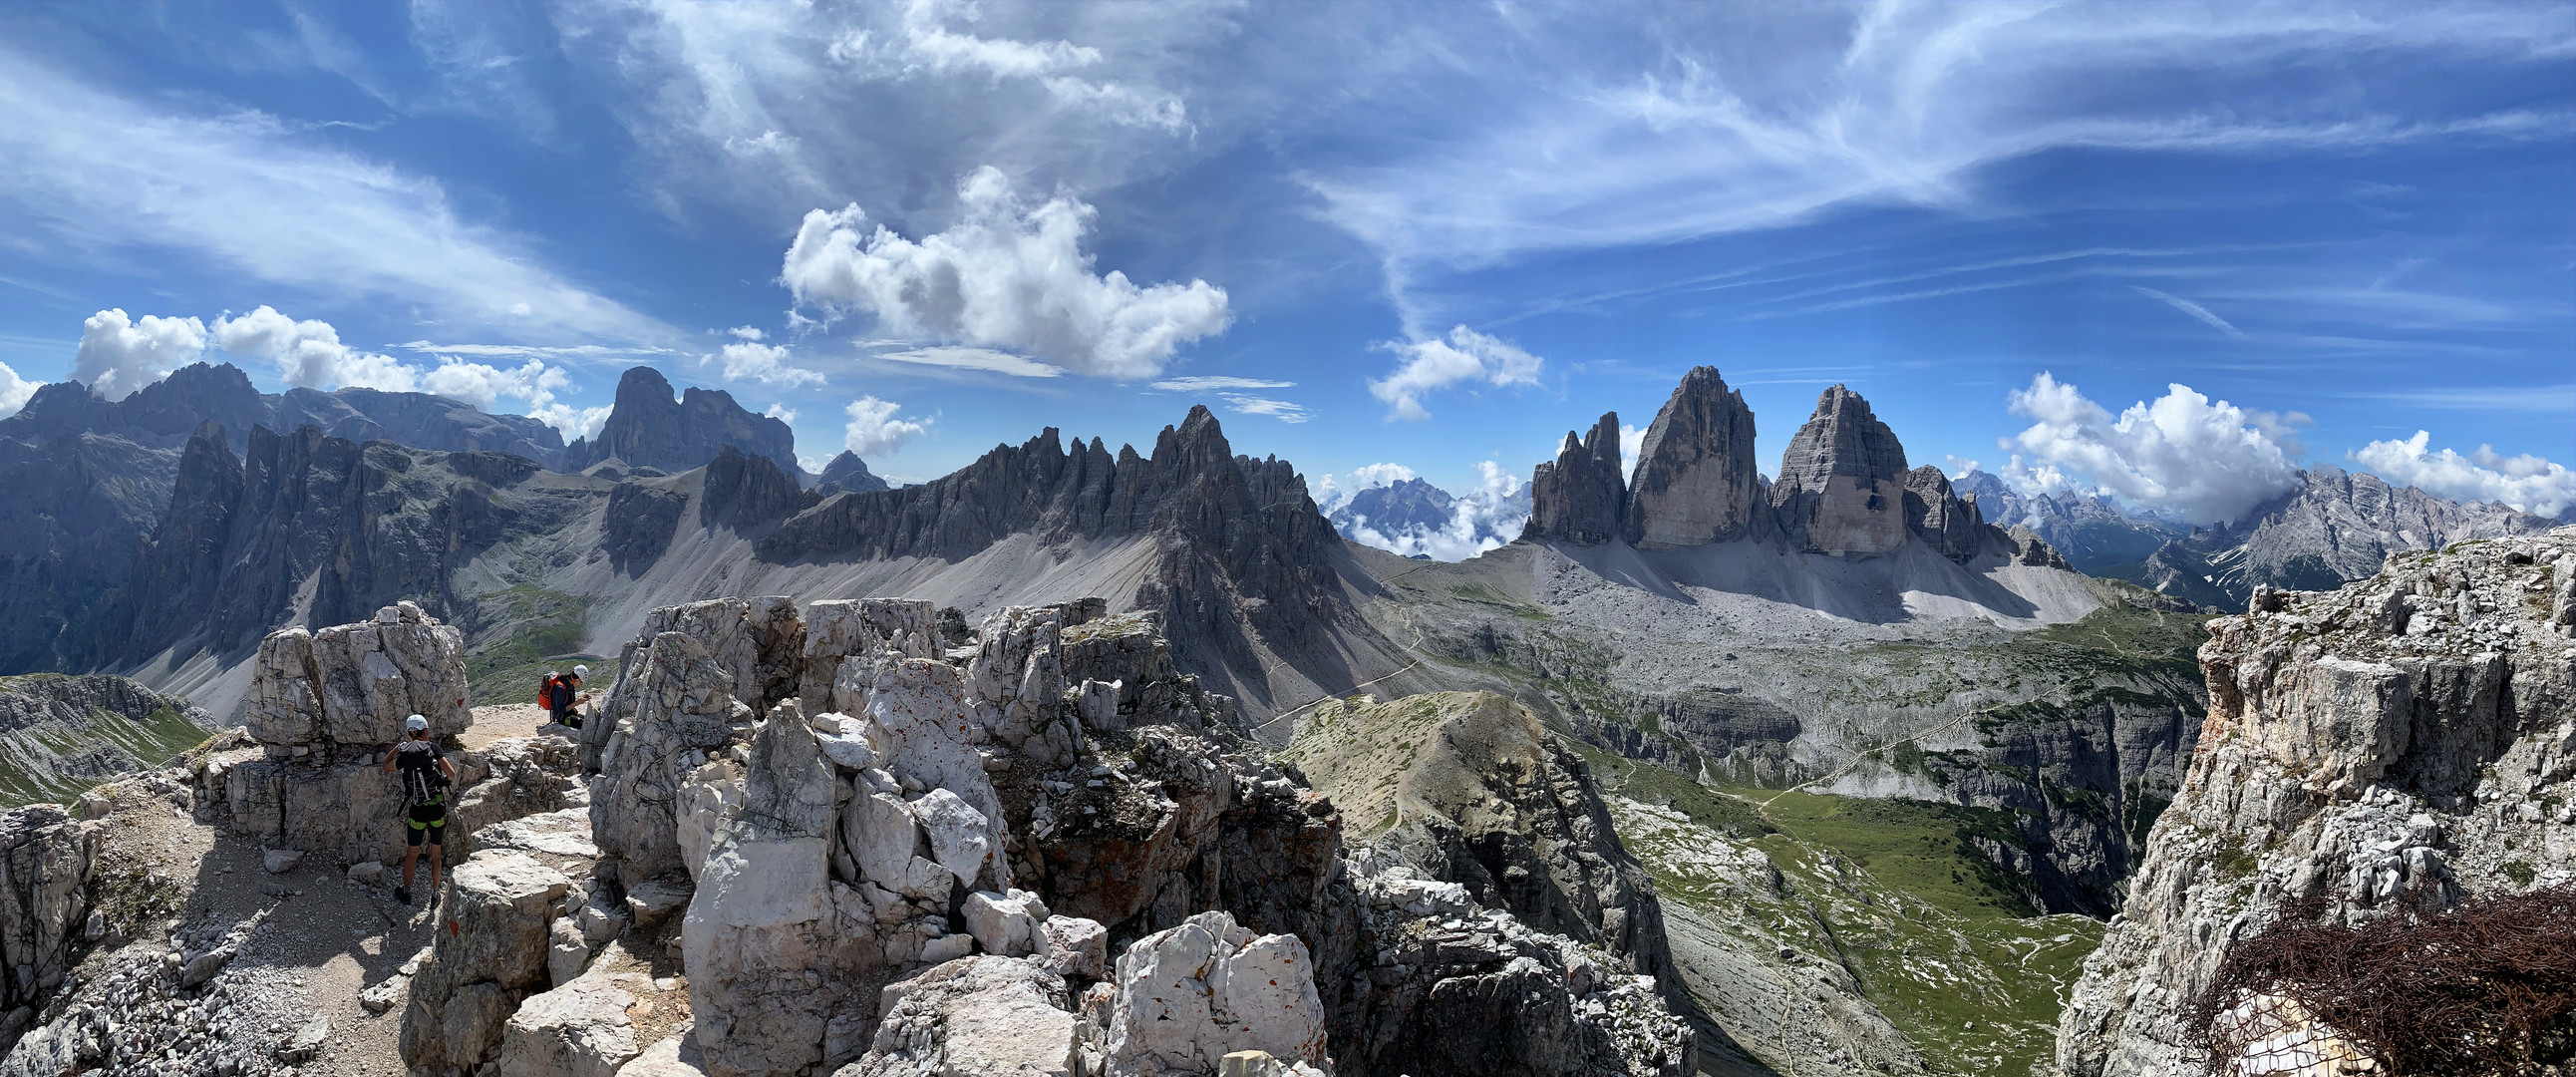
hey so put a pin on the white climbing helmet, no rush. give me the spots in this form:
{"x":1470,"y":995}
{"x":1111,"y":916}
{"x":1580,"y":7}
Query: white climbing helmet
{"x":581,"y":671}
{"x":416,"y":723}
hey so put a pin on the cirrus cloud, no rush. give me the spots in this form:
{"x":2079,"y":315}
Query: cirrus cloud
{"x":1006,"y":275}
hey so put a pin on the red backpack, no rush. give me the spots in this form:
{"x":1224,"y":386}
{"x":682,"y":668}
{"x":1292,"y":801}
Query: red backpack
{"x":554,"y":689}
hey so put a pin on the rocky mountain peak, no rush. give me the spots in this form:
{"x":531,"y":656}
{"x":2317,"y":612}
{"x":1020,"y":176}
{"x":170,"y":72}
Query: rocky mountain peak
{"x":848,"y":472}
{"x":1582,"y":496}
{"x":1695,"y":481}
{"x":647,"y":427}
{"x":1843,"y":437}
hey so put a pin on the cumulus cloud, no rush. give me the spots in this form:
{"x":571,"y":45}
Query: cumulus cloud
{"x":1465,"y":356}
{"x":571,"y":422}
{"x":1005,"y":275}
{"x":308,"y":354}
{"x":2201,"y":460}
{"x":1479,"y":520}
{"x":746,"y":332}
{"x":2530,"y":483}
{"x":119,"y":355}
{"x":764,"y":363}
{"x":874,"y":427}
{"x":781,"y":412}
{"x":14,"y":391}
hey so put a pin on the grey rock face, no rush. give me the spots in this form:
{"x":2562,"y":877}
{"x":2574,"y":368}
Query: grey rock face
{"x":2398,"y":744}
{"x":1841,"y":488}
{"x":1695,"y":481}
{"x":2338,"y":526}
{"x":1491,"y":801}
{"x":118,"y":726}
{"x":1582,"y":496}
{"x":362,"y":526}
{"x":46,"y":860}
{"x":673,"y":718}
{"x":356,"y":684}
{"x":463,"y":997}
{"x":743,"y":492}
{"x":646,"y":427}
{"x":642,"y":516}
{"x":1949,"y":523}
{"x":848,"y":474}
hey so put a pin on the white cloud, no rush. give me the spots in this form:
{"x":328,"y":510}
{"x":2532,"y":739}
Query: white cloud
{"x":119,"y":355}
{"x":309,"y":355}
{"x":14,"y":391}
{"x":1331,"y":492}
{"x":923,"y":43}
{"x":571,"y":422}
{"x":241,"y":194}
{"x":2182,"y":453}
{"x":1955,"y":466}
{"x":985,"y":359}
{"x":1217,"y":383}
{"x":1466,"y":355}
{"x":1259,"y":405}
{"x":2190,"y":309}
{"x":1481,"y":519}
{"x":875,"y":428}
{"x":1005,"y":275}
{"x":764,"y":363}
{"x":483,"y":386}
{"x":747,"y":332}
{"x":1632,"y":445}
{"x":529,"y":351}
{"x":781,"y":412}
{"x":2530,"y":483}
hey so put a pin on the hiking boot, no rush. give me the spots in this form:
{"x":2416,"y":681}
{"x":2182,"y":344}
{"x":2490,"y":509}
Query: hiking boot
{"x":402,"y":894}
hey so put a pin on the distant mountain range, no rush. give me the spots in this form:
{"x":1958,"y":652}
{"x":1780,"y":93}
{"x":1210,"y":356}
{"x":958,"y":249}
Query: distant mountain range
{"x":1419,"y":520}
{"x":2335,"y":527}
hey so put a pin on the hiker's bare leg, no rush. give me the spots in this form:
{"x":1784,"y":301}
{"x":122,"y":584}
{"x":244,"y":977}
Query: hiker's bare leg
{"x":437,"y":854}
{"x":411,"y":856}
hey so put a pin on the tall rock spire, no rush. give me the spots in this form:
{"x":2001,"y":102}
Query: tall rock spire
{"x":1842,"y":482}
{"x":1581,"y":497}
{"x":1695,"y":480}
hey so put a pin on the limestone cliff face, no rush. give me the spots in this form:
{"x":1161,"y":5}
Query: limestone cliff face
{"x":2400,"y":743}
{"x":1695,"y":480}
{"x":83,"y":479}
{"x":60,"y":734}
{"x":1841,"y":488}
{"x":848,"y":472}
{"x":1582,"y":496}
{"x":317,"y":524}
{"x":647,"y":427}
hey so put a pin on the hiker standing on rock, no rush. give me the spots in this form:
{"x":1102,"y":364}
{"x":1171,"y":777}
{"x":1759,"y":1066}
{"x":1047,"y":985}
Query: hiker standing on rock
{"x":426,"y":774}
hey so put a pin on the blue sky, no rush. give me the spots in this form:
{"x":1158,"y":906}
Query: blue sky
{"x":1429,"y":235}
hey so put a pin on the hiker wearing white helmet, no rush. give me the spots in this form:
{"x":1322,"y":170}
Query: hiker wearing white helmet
{"x":426,"y":775}
{"x":561,"y":695}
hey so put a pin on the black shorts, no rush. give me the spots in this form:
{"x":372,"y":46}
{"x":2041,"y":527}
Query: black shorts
{"x":428,"y":823}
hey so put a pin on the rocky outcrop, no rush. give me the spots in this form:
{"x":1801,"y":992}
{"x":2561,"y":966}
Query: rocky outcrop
{"x":848,"y":474}
{"x":1581,"y":496}
{"x":2397,"y":745}
{"x":668,"y":730}
{"x":641,"y":518}
{"x":2335,"y":527}
{"x":323,"y":709}
{"x":1695,"y":481}
{"x":1949,"y":523}
{"x":1190,"y":996}
{"x":46,"y":860}
{"x":647,"y":427}
{"x":60,"y":735}
{"x":1841,"y":488}
{"x":1467,"y":787}
{"x":464,"y":996}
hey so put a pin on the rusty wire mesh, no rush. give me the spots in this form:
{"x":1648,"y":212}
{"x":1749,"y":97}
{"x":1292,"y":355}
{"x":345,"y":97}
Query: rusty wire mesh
{"x":2487,"y":988}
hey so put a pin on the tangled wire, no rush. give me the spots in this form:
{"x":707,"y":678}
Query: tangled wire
{"x":2487,"y":988}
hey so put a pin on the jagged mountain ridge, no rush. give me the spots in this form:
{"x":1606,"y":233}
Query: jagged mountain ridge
{"x":2334,"y":527}
{"x":83,"y":479}
{"x":648,"y":427}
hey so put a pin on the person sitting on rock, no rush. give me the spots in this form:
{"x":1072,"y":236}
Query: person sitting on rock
{"x":562,"y":697}
{"x":426,"y":774}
